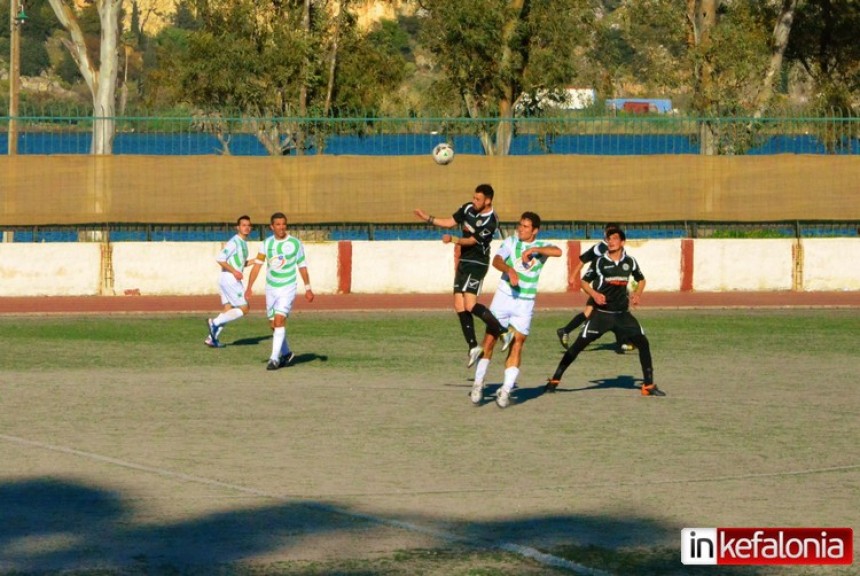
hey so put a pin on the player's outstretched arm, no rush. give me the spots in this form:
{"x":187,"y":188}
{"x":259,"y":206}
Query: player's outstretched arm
{"x":430,"y":219}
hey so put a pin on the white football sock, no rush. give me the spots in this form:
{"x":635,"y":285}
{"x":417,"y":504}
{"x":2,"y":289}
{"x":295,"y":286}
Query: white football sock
{"x":510,"y":378}
{"x":277,"y":342}
{"x":481,"y":370}
{"x":228,"y":316}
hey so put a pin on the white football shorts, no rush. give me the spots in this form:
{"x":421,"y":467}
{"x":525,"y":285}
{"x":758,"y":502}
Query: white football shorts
{"x":510,"y":311}
{"x":279,"y":301}
{"x":232,"y":290}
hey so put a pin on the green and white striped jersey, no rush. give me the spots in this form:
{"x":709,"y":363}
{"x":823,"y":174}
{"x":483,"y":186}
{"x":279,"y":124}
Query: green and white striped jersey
{"x":511,"y":251}
{"x":234,"y":253}
{"x":283,"y":259}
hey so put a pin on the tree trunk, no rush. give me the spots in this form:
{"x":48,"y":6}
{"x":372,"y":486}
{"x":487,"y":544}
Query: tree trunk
{"x":303,"y":90}
{"x":332,"y":64}
{"x":101,"y":82}
{"x":104,"y":100}
{"x":702,"y":17}
{"x":123,"y":89}
{"x":781,"y":32}
{"x":505,"y":129}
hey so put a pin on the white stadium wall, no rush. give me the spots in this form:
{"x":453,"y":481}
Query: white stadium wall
{"x":50,"y":269}
{"x":659,"y":260}
{"x":322,"y":259}
{"x":831,"y":264}
{"x":165,"y":268}
{"x":401,"y":267}
{"x":187,"y":268}
{"x":750,"y":265}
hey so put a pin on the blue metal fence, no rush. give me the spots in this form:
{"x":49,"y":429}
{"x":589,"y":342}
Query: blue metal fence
{"x":375,"y":232}
{"x":616,"y":135}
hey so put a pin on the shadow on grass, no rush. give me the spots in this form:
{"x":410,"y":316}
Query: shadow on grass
{"x":56,"y":524}
{"x":307,"y":358}
{"x":624,"y":382}
{"x":518,"y":396}
{"x":250,"y":341}
{"x":298,"y":359}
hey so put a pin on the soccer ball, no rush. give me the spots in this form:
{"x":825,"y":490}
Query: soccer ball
{"x":443,"y":153}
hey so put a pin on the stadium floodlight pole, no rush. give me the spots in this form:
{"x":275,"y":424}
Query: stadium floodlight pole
{"x":17,"y":17}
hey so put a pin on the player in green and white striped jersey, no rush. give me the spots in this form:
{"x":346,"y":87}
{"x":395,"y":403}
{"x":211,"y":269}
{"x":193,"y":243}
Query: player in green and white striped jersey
{"x":521,"y":259}
{"x":284,"y":256}
{"x":232,"y":259}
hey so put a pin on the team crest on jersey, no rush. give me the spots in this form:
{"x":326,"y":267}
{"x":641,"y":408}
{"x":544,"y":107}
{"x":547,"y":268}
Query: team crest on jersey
{"x":625,"y":267}
{"x":277,"y":262}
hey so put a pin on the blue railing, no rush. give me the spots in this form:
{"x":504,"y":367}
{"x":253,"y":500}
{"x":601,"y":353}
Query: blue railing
{"x":604,"y":136}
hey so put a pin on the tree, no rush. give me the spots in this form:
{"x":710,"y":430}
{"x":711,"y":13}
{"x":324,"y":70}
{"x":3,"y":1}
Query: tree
{"x":739,"y":49}
{"x":826,"y":48}
{"x":99,"y":74}
{"x":781,"y":34}
{"x":276,"y":64}
{"x":246,"y":59}
{"x":824,"y":43}
{"x":491,"y":52}
{"x":163,"y":57}
{"x":730,"y":58}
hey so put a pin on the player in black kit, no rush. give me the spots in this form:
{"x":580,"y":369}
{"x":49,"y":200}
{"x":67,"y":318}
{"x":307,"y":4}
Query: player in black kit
{"x":606,"y":283}
{"x":478,"y":223}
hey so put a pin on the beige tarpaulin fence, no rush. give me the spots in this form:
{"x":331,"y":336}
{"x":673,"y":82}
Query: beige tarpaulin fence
{"x":43,"y":190}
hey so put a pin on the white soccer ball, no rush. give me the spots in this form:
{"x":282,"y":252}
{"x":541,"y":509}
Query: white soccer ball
{"x":443,"y":153}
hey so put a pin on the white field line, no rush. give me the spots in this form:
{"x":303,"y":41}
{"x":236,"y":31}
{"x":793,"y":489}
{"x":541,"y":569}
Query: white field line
{"x":524,"y":551}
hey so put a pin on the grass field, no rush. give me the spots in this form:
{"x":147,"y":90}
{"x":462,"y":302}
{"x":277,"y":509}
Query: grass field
{"x":128,"y":447}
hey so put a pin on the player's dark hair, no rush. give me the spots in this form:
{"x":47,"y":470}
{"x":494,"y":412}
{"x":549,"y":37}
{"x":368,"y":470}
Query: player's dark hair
{"x":609,"y":225}
{"x":486,"y":190}
{"x":242,"y":217}
{"x":277,"y":216}
{"x":533,"y":217}
{"x":621,"y":235}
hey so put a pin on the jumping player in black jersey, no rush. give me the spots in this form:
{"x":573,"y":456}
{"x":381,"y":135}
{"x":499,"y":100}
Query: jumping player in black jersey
{"x":606,"y":283}
{"x":478,"y":223}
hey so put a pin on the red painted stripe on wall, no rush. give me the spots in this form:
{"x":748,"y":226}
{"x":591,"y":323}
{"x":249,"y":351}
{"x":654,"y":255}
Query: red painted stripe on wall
{"x":687,"y":265}
{"x":344,"y":267}
{"x":574,"y":281}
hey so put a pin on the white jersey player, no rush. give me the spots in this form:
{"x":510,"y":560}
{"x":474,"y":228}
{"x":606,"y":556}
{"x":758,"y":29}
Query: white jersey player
{"x":284,"y":256}
{"x":232,"y":259}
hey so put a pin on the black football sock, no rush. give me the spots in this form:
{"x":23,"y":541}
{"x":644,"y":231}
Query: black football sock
{"x":575,"y":322}
{"x":468,"y":326}
{"x":578,"y":346}
{"x":494,"y":327}
{"x":644,"y":346}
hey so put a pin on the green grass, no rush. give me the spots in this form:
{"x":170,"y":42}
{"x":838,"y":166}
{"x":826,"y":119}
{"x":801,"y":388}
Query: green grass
{"x":759,"y":428}
{"x":368,"y":340}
